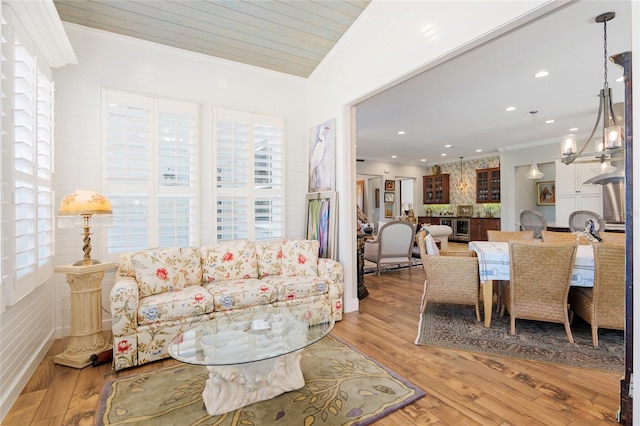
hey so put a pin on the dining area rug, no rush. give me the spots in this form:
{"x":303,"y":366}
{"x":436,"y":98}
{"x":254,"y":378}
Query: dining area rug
{"x":343,"y":387}
{"x":455,"y":327}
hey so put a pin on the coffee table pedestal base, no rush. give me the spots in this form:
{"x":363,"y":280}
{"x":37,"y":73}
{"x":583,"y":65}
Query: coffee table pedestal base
{"x":231,"y":387}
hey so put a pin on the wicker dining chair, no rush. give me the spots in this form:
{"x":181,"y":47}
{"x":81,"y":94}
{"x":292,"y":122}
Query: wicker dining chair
{"x":531,"y":220}
{"x":450,"y":277}
{"x":603,"y":305}
{"x":540,"y":276}
{"x":564,"y":237}
{"x":613,"y":238}
{"x":579,"y":218}
{"x":505,"y":237}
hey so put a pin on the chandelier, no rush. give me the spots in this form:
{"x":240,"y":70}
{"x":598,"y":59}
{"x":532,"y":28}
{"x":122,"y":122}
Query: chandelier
{"x":611,"y":142}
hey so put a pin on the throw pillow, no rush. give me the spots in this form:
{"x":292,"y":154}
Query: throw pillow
{"x":160,"y":270}
{"x":269,"y":257}
{"x":300,"y":258}
{"x":230,"y":260}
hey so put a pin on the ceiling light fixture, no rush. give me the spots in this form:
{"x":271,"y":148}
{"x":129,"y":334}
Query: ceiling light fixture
{"x":534,"y":172}
{"x":611,"y":132}
{"x":541,"y":74}
{"x":462,"y":185}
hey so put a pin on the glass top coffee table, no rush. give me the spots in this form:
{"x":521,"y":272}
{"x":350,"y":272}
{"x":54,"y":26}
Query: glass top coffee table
{"x":251,"y":356}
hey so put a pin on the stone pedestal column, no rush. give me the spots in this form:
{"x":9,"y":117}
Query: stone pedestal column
{"x":87,"y":338}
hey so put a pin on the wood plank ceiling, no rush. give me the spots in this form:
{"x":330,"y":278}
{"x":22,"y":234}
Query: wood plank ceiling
{"x":287,"y":36}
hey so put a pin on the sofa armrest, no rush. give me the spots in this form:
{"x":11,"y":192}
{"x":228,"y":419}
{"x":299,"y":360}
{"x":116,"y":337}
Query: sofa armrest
{"x":333,"y":273}
{"x":124,"y":300}
{"x":331,"y":270}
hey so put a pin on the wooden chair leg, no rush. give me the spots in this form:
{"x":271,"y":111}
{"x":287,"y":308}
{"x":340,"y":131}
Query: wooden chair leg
{"x":594,"y":335}
{"x":478,"y":311}
{"x":513,"y":324}
{"x":567,"y":328}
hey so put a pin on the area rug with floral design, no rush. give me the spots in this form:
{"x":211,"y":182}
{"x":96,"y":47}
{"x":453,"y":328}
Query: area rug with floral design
{"x":343,"y":387}
{"x":455,"y":327}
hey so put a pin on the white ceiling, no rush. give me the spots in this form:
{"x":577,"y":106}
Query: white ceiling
{"x":286,"y":36}
{"x":462,"y":101}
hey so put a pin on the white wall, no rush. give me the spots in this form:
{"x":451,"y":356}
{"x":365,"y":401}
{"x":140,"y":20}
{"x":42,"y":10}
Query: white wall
{"x":393,"y":171}
{"x":519,"y":193}
{"x":117,"y":62}
{"x":389,"y":42}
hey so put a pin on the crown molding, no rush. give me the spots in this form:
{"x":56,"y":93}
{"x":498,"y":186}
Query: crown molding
{"x":41,"y":20}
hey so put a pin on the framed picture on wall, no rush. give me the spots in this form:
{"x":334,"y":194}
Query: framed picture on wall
{"x":388,"y":209}
{"x":389,"y":197}
{"x":546,"y":193}
{"x":377,"y":200}
{"x":322,"y":141}
{"x":389,"y":185}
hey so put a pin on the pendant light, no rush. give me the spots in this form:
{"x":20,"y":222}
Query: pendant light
{"x":612,"y":131}
{"x":534,"y":172}
{"x":462,"y":185}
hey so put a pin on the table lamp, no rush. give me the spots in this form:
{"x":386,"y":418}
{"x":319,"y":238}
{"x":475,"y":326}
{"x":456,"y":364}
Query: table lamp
{"x":84,"y":208}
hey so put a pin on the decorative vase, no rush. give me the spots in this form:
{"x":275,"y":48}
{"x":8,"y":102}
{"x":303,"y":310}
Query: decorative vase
{"x":436,"y":170}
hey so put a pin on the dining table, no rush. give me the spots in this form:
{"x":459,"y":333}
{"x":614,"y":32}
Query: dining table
{"x":493,"y":264}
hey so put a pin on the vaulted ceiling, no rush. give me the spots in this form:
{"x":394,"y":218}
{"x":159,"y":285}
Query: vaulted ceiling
{"x":287,"y":36}
{"x":460,"y":102}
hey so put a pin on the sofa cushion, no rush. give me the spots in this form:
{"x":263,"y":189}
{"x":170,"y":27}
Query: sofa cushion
{"x":289,"y":288}
{"x":174,"y":305}
{"x":229,"y":260}
{"x":300,"y":258}
{"x":161,"y":270}
{"x":241,"y":293}
{"x":269,"y":255}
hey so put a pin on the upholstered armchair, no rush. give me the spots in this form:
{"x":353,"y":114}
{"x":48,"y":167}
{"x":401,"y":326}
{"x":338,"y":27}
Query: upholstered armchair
{"x":531,"y":220}
{"x":392,"y":245}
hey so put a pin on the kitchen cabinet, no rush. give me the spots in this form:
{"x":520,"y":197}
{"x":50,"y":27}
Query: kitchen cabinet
{"x":572,"y":195}
{"x":488,"y":185}
{"x":435,"y":189}
{"x":480,"y":226}
{"x":429,"y":220}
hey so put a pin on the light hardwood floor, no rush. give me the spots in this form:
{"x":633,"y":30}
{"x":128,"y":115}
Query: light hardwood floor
{"x":461,"y":387}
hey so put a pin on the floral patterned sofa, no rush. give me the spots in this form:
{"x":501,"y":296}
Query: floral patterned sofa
{"x":160,"y":292}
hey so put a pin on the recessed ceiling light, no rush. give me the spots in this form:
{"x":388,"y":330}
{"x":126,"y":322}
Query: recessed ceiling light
{"x":510,"y":108}
{"x":401,"y":132}
{"x":541,"y":74}
{"x":573,"y":129}
{"x":394,"y":156}
{"x":478,"y":150}
{"x":549,"y":121}
{"x":443,"y":155}
{"x":423,"y":159}
{"x":447,"y":146}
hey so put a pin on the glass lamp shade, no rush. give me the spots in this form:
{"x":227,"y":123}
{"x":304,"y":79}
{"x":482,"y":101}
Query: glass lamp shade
{"x":613,"y":137}
{"x":604,"y":167}
{"x":534,"y":172}
{"x":80,"y":204}
{"x":569,"y":145}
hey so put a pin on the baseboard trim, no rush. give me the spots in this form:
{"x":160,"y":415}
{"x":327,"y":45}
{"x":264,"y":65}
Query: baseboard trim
{"x":12,"y":391}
